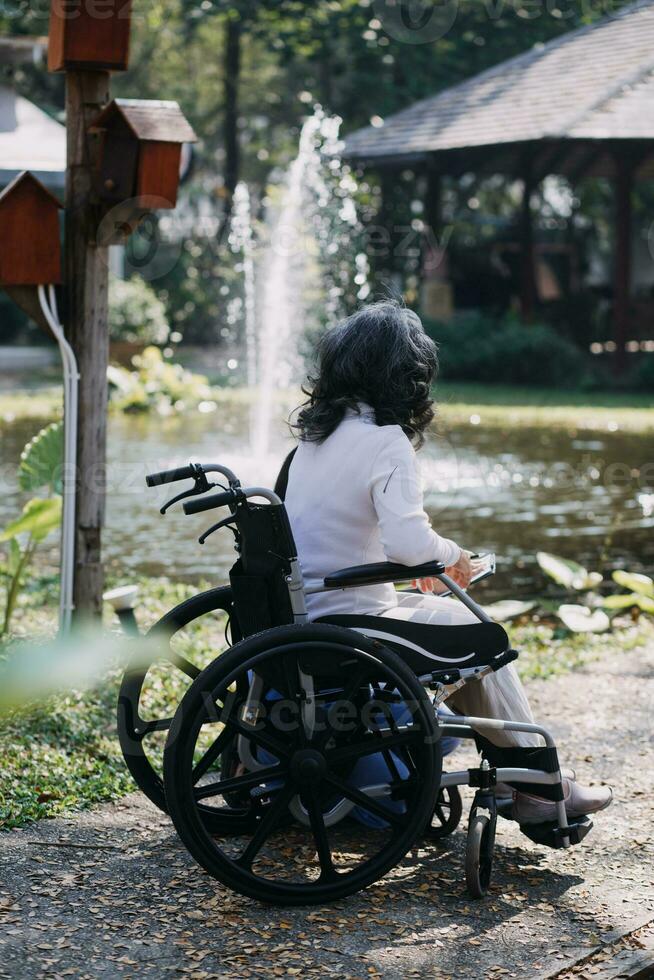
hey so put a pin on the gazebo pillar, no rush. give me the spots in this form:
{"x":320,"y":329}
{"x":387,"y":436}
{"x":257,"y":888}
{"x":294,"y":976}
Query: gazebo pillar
{"x":528,"y":292}
{"x":624,"y":181}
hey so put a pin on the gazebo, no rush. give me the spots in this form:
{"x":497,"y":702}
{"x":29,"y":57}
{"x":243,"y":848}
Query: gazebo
{"x":581,"y":105}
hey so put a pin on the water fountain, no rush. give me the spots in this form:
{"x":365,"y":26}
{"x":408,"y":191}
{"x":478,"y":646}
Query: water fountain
{"x":314,"y":221}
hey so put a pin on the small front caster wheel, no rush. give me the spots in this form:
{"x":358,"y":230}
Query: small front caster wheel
{"x":479,"y":853}
{"x":447,"y":813}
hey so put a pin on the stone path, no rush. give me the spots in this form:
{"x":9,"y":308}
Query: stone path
{"x":127,"y":900}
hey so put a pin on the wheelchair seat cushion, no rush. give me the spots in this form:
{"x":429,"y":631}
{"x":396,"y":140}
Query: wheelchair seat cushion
{"x":425,"y":647}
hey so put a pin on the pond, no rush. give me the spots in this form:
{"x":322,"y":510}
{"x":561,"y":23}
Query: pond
{"x":583,"y":495}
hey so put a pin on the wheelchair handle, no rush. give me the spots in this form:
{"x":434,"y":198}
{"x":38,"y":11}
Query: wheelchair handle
{"x":192,"y":471}
{"x":170,"y":476}
{"x":231,"y":497}
{"x":208,"y":503}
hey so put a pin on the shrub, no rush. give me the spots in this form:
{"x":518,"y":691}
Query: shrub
{"x":476,"y":348}
{"x":156,"y":385}
{"x":642,"y":378}
{"x":136,"y":314}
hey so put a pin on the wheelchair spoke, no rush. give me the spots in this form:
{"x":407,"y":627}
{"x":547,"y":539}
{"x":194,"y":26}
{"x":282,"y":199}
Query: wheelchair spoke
{"x":327,"y":869}
{"x":293,"y":691}
{"x":348,"y":694}
{"x":157,"y":725}
{"x":373,"y":743}
{"x":267,"y":825}
{"x":259,"y":738}
{"x":184,"y":665}
{"x":236,"y":783}
{"x":210,"y":755}
{"x":365,"y":801}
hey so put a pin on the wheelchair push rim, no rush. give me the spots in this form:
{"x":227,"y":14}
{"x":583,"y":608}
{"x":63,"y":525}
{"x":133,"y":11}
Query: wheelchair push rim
{"x":134,"y":730}
{"x":308,"y":754}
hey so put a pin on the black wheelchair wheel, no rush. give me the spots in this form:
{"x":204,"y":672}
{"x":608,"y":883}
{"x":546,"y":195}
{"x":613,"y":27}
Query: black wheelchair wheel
{"x":147,"y":703}
{"x":447,"y":813}
{"x":343,"y":703}
{"x":479,"y":853}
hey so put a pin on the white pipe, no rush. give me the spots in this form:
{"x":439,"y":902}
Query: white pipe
{"x":71,"y":379}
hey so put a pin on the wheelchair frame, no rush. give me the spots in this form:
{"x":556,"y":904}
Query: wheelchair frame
{"x":443,"y":683}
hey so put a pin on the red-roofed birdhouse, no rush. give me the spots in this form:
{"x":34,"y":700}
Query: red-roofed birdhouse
{"x":141,"y":150}
{"x":31,"y":247}
{"x":89,"y":34}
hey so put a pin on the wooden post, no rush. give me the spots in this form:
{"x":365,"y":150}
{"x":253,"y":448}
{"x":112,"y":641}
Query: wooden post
{"x":433,"y":202}
{"x":622,"y":256}
{"x":528,"y":292}
{"x":87,"y":284}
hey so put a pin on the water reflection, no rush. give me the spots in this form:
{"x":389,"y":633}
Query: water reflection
{"x":514,"y":491}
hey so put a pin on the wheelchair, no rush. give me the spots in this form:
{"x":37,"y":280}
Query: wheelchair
{"x":303,"y":763}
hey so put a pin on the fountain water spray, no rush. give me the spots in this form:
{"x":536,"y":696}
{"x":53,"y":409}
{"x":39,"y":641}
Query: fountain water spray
{"x":241,"y":239}
{"x":313,"y":228}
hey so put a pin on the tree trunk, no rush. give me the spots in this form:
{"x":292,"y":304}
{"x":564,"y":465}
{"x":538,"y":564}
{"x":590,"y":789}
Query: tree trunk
{"x":87,"y":282}
{"x":529,"y":291}
{"x":233,"y":33}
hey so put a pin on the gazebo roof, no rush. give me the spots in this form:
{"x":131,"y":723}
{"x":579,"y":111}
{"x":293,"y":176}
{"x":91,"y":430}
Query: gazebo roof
{"x":595,"y":83}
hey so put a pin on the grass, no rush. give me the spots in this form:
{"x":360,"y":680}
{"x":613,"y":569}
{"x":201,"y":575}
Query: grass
{"x":494,"y":405}
{"x":41,"y":403}
{"x":501,"y":405}
{"x":63,"y":754}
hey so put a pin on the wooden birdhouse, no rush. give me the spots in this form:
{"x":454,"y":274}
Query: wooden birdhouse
{"x":30,"y":253}
{"x":141,"y":149}
{"x":89,"y":34}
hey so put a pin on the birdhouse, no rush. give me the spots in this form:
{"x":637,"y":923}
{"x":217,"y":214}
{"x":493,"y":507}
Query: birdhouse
{"x":31,"y":247}
{"x":141,"y":150}
{"x":89,"y":34}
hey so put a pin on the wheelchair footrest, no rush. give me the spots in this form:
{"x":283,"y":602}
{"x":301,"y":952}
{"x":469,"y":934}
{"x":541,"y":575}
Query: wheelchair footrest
{"x":551,"y":835}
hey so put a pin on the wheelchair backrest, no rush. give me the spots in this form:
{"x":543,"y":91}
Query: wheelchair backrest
{"x":258,"y":578}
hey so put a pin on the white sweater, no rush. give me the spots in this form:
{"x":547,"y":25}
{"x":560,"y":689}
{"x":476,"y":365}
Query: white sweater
{"x":357,"y":498}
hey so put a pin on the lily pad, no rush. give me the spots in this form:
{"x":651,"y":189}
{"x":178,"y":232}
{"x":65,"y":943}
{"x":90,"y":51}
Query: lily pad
{"x":570,"y":574}
{"x":641,"y":584}
{"x":643,"y":602}
{"x":507,"y":609}
{"x":581,"y":619}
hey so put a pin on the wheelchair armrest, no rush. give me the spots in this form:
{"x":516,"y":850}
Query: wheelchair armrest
{"x":380,"y":572}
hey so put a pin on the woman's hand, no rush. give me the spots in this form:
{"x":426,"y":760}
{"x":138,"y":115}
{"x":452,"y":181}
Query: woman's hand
{"x":429,"y":585}
{"x":461,"y":573}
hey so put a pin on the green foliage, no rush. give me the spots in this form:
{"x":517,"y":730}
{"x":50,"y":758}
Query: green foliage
{"x":136,"y":314}
{"x":40,"y":466}
{"x":41,"y":460}
{"x":478,"y":348}
{"x":60,"y":755}
{"x":643,"y":376}
{"x":156,"y":385}
{"x":40,"y":517}
{"x":294,"y":54}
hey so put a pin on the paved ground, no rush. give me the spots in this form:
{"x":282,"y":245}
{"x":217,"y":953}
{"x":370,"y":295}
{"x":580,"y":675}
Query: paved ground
{"x":126,"y":900}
